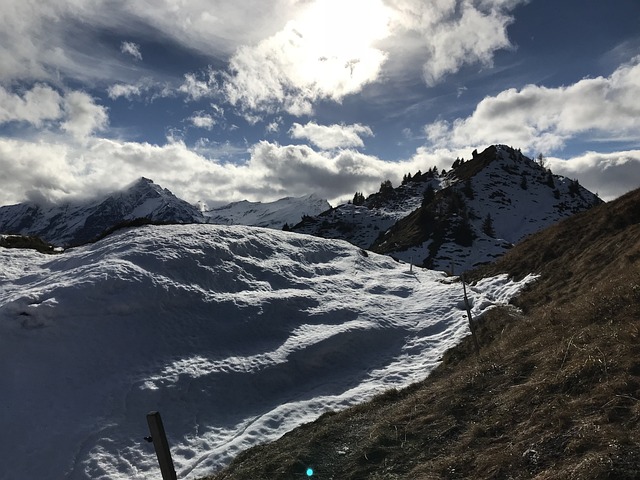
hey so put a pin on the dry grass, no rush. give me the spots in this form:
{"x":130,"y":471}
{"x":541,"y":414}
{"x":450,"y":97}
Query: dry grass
{"x":554,"y":394}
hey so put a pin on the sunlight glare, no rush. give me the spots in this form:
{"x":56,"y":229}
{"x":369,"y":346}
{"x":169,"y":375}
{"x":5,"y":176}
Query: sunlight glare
{"x":335,"y":42}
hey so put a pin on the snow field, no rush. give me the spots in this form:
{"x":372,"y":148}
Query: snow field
{"x":235,"y":334}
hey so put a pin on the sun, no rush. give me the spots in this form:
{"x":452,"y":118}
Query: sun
{"x":332,"y":43}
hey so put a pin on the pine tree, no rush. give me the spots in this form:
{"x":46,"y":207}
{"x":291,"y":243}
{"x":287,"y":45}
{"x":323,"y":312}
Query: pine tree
{"x":487,"y":226}
{"x":386,"y":188}
{"x":428,"y":196}
{"x":463,"y":233}
{"x":550,"y":181}
{"x":541,"y":160}
{"x":468,"y":189}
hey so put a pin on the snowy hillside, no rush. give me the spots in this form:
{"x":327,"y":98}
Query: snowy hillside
{"x":235,"y":334}
{"x":289,"y":211}
{"x":487,"y":204}
{"x":447,"y":229}
{"x":79,"y":223}
{"x":362,"y":224}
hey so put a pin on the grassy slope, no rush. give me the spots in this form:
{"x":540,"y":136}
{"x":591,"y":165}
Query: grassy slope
{"x":554,"y":394}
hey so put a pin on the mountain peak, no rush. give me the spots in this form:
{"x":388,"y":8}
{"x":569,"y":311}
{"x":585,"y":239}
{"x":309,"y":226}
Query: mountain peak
{"x":75,"y":224}
{"x":467,"y":216}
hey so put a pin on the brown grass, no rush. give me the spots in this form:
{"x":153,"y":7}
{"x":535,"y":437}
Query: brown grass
{"x":555,"y":393}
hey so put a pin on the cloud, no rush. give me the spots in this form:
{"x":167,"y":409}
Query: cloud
{"x":543,"y":119}
{"x":608,"y":174}
{"x":195,"y":88}
{"x":35,"y":106}
{"x":202,"y":120}
{"x":274,"y":125}
{"x":329,"y":137}
{"x":301,"y":64}
{"x":144,"y":89}
{"x":123,"y":90}
{"x":54,"y":169}
{"x":450,"y":33}
{"x":298,"y":170}
{"x":75,"y":112}
{"x":83,"y":116}
{"x":46,"y":40}
{"x":132,"y":49}
{"x":58,"y":170}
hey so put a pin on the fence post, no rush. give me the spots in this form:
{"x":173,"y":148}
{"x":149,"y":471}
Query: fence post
{"x":161,"y":446}
{"x":472,"y":326}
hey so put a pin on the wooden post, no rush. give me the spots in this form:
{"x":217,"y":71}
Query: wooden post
{"x":472,"y":326}
{"x":161,"y":446}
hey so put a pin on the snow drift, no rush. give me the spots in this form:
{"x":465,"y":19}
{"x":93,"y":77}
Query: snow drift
{"x":235,"y":334}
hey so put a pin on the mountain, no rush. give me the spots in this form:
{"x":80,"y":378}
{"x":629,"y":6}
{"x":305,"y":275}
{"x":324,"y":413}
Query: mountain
{"x":235,"y":334}
{"x":78,"y":223}
{"x":554,"y":392}
{"x":459,"y":219}
{"x":361,"y":222}
{"x":286,"y":211}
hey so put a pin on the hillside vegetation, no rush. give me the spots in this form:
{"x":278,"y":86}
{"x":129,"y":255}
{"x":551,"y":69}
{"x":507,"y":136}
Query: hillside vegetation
{"x":555,"y":392}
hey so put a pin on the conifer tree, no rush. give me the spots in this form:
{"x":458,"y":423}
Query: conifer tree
{"x":487,"y":226}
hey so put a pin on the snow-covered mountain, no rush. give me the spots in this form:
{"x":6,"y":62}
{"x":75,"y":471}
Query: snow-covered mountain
{"x":488,"y":204}
{"x":458,"y":219}
{"x":79,"y":223}
{"x":235,"y":334}
{"x":361,"y":222}
{"x":286,"y":211}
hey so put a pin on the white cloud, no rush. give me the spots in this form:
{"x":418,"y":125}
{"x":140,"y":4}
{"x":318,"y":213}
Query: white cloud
{"x":451,"y":33}
{"x":75,"y":112}
{"x":195,"y":89}
{"x":124,"y":90}
{"x":298,"y":169}
{"x":301,"y":63}
{"x":202,"y":120}
{"x":608,"y":174}
{"x":35,"y":106}
{"x":132,"y":49}
{"x":274,"y":126}
{"x":57,"y":169}
{"x":143,"y":89}
{"x":83,"y":116}
{"x":543,"y":119}
{"x":35,"y":42}
{"x":328,"y":137}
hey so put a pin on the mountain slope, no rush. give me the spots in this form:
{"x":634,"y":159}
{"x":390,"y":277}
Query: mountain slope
{"x":460,"y":219}
{"x":487,"y":204}
{"x":235,"y":334}
{"x":76,"y":224}
{"x":286,"y":211}
{"x":361,"y":223}
{"x":554,"y":394}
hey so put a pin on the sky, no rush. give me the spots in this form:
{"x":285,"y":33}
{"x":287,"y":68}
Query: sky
{"x":220,"y":100}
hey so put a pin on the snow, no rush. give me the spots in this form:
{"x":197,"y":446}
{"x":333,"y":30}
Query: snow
{"x":288,"y":210}
{"x":235,"y":334}
{"x":515,"y":212}
{"x":80,"y":222}
{"x":362,"y":224}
